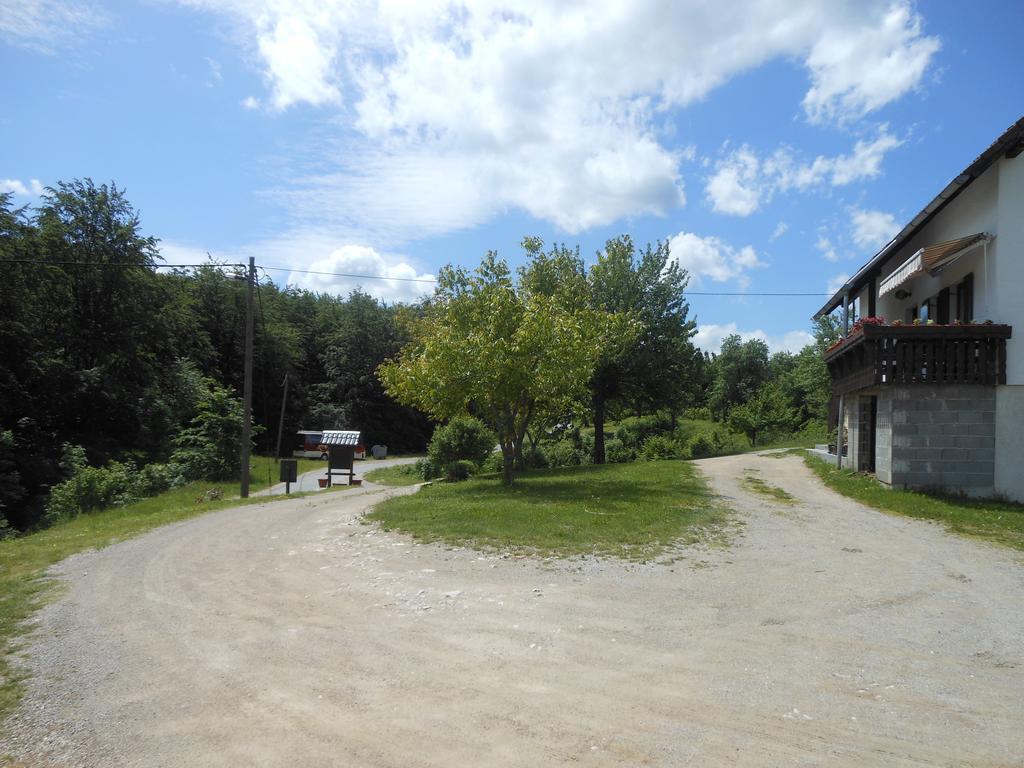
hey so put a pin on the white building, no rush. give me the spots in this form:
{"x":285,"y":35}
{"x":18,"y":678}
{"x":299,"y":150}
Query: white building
{"x":934,"y":396}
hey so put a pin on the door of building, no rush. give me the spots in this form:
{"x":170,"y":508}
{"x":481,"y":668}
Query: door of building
{"x":866,"y":417}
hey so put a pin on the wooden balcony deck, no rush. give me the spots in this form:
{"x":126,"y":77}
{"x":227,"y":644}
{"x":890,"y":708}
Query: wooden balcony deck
{"x":879,"y":355}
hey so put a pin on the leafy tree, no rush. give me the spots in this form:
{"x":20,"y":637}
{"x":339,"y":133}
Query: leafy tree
{"x":208,"y":448}
{"x":506,"y":354}
{"x":766,"y":411}
{"x":739,"y":371}
{"x":463,"y":439}
{"x":660,"y":367}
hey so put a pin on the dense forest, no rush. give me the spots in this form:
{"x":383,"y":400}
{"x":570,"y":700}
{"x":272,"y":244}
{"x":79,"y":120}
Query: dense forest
{"x":108,"y":358}
{"x":100,"y":350}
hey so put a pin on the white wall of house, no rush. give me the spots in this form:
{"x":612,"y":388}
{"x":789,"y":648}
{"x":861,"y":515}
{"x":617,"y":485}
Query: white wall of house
{"x":976,"y":209}
{"x":993,"y":203}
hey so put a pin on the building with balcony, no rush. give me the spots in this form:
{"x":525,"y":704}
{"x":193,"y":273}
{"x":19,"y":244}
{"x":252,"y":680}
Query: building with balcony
{"x":928,"y":379}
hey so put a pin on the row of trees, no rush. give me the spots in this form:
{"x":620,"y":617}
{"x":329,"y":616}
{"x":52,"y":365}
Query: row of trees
{"x":94,"y":344}
{"x":561,"y":342}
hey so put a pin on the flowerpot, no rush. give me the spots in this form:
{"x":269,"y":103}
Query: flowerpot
{"x":322,"y":481}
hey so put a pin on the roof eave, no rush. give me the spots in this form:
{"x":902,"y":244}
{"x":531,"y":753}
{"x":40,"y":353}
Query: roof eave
{"x":1006,"y":144}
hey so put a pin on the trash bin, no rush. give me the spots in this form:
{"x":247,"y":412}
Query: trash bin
{"x":379,"y":451}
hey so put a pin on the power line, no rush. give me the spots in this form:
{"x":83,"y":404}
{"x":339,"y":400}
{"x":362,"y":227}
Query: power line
{"x":348,"y":274}
{"x":365,"y":277}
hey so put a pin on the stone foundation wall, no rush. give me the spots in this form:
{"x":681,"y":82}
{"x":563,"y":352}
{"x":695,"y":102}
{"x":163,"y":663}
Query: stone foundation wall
{"x":937,"y":437}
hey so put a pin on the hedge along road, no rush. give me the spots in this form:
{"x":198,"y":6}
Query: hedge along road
{"x":293,"y":634}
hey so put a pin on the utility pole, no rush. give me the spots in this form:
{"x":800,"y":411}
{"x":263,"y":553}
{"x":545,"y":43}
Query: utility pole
{"x":280,"y":423}
{"x":247,"y":390}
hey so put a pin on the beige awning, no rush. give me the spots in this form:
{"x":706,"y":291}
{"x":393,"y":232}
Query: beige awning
{"x":932,"y":260}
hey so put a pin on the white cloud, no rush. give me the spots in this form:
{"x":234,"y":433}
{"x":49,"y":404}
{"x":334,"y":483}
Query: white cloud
{"x":858,"y":69}
{"x":736,"y":186}
{"x":546,"y":107}
{"x":290,"y":258}
{"x":743,"y":182}
{"x":34,"y":187}
{"x":710,"y":337}
{"x":216,"y":73}
{"x":837,"y":282}
{"x":828,"y":250}
{"x":713,"y":259}
{"x":360,"y":265}
{"x":45,"y":25}
{"x":780,"y":229}
{"x":250,"y":102}
{"x":873,"y":229}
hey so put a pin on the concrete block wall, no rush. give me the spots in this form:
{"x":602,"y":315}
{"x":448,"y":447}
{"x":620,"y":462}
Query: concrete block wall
{"x":883,"y":436}
{"x":941,"y":437}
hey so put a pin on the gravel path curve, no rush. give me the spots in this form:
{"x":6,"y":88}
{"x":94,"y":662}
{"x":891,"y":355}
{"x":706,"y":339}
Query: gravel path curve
{"x":292,"y":634}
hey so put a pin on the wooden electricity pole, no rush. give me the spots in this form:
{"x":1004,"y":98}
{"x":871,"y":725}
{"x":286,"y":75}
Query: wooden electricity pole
{"x":280,"y":423}
{"x":247,"y":389}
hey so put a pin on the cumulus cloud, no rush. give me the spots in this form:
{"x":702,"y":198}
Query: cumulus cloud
{"x":780,"y":229}
{"x":709,"y":338}
{"x":553,"y":108}
{"x":34,"y":187}
{"x":46,"y":25}
{"x":710,"y":258}
{"x":352,"y":267}
{"x":859,"y":69}
{"x":742,"y":182}
{"x":872,"y":229}
{"x":828,"y":250}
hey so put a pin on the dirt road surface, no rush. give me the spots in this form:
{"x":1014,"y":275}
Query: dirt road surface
{"x":291,"y":634}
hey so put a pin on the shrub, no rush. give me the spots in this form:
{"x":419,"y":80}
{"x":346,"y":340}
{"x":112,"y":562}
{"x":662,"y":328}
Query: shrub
{"x":635,"y":430}
{"x":462,"y":469}
{"x":658,"y":447}
{"x":493,"y":464}
{"x":697,"y":414}
{"x":534,"y":458}
{"x":563,"y":454}
{"x":155,"y":478}
{"x":616,"y":452}
{"x":428,"y":469}
{"x":93,"y":488}
{"x":208,"y":448}
{"x":464,"y":438}
{"x":700,"y":447}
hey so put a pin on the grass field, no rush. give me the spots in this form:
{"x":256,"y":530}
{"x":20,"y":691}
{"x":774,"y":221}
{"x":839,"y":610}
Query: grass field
{"x":996,"y":521}
{"x":24,"y":560}
{"x":627,"y":510}
{"x":403,"y":474}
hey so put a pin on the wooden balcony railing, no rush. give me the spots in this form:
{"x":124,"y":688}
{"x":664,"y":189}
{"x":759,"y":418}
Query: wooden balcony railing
{"x":919,"y":354}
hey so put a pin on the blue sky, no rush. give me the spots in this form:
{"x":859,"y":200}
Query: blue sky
{"x":775,"y":144}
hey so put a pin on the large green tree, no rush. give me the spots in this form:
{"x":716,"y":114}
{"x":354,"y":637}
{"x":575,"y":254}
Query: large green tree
{"x":660,"y":367}
{"x":506,"y":353}
{"x":738,"y":372}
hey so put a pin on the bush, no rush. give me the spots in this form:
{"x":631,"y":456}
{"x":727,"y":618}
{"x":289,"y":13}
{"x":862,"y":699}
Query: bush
{"x":635,"y":430}
{"x":153,"y":479}
{"x":697,"y":414}
{"x":616,"y":452}
{"x":461,"y":439}
{"x":534,"y":458}
{"x":208,"y":448}
{"x":460,"y":470}
{"x":428,"y":469}
{"x":700,"y":447}
{"x":493,"y":464}
{"x":564,"y":453}
{"x":94,"y":488}
{"x":659,"y":447}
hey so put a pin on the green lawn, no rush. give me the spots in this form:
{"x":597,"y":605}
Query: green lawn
{"x":627,"y":510}
{"x":24,"y":560}
{"x":997,"y":521}
{"x":403,"y":474}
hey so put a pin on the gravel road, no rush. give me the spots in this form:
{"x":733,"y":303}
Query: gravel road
{"x":292,"y":634}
